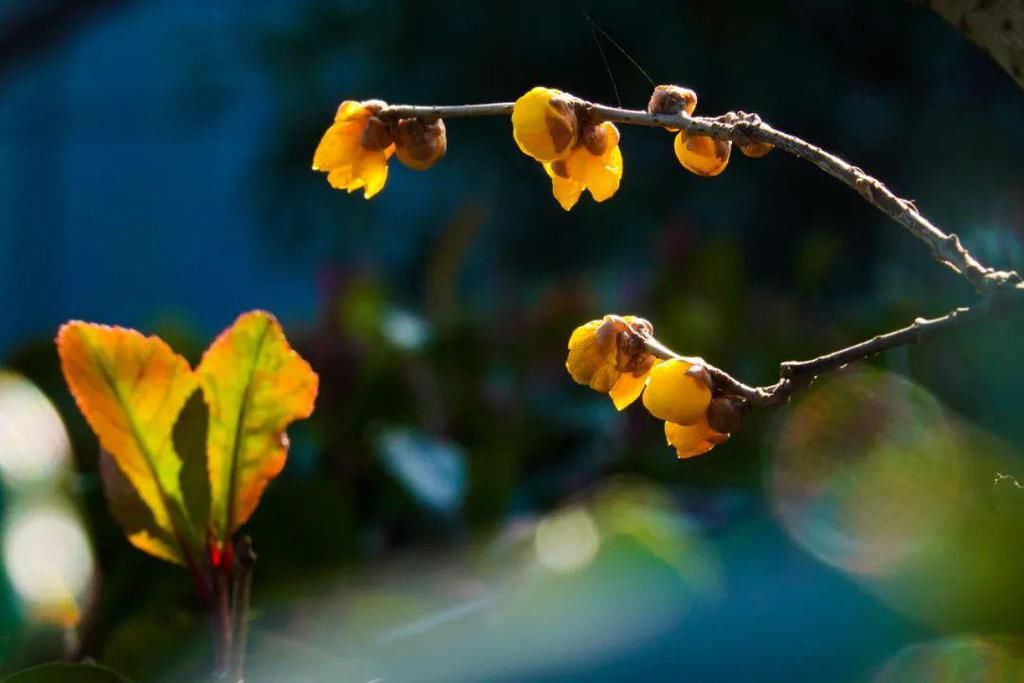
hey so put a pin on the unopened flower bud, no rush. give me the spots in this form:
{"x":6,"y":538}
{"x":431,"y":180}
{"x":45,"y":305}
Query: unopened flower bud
{"x":420,"y":144}
{"x":678,"y":392}
{"x":544,"y":124}
{"x":701,"y":154}
{"x":756,"y":150}
{"x":672,"y":99}
{"x":376,"y":136}
{"x":725,"y":414}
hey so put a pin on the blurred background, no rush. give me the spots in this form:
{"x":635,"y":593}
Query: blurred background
{"x":457,"y":509}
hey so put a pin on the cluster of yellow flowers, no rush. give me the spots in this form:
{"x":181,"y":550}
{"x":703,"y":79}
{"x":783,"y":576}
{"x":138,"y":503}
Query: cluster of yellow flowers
{"x":577,"y":152}
{"x":611,"y":356}
{"x":577,"y":149}
{"x":354,"y":151}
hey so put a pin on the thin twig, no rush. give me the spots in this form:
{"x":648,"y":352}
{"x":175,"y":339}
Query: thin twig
{"x":743,"y":128}
{"x":797,"y":374}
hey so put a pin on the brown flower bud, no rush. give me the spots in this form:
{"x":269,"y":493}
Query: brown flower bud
{"x":725,"y":414}
{"x":376,"y":136}
{"x":374,"y":106}
{"x":700,"y":372}
{"x":756,"y":150}
{"x":420,"y":144}
{"x":595,"y":139}
{"x":631,"y":335}
{"x":672,"y":99}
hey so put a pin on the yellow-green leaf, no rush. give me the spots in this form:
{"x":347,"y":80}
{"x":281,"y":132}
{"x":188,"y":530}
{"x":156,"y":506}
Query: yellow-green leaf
{"x":135,"y":518}
{"x":255,"y":385}
{"x":131,"y":388}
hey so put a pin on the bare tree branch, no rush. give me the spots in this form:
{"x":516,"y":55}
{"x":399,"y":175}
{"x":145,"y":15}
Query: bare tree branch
{"x":744,"y":128}
{"x":797,"y":374}
{"x":996,"y":288}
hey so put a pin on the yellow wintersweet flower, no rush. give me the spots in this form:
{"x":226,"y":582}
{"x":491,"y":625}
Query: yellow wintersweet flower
{"x":544,"y":124}
{"x":678,"y":391}
{"x":595,"y":164}
{"x":610,"y":357}
{"x":695,"y":439}
{"x":354,"y":151}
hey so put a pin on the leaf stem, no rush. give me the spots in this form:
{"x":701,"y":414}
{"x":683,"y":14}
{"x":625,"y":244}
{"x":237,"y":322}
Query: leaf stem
{"x":245,"y":559}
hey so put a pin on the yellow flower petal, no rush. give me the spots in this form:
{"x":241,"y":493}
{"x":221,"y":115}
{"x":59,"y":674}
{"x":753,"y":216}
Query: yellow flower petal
{"x":350,"y":110}
{"x":627,"y":389}
{"x":604,"y":379}
{"x":584,"y":334}
{"x":604,"y":175}
{"x":598,"y":173}
{"x":591,"y":358}
{"x":692,"y":440}
{"x":370,"y":172}
{"x":340,"y":178}
{"x":566,"y":190}
{"x":337,"y":147}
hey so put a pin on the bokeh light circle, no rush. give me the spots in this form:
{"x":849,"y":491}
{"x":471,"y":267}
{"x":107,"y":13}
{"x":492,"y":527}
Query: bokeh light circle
{"x":957,"y":659}
{"x":33,"y":442}
{"x":48,"y":560}
{"x":567,"y":540}
{"x":861,"y":470}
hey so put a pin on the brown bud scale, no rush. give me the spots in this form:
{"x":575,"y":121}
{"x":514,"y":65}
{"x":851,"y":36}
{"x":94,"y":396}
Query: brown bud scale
{"x":377,"y":135}
{"x":419,"y":145}
{"x":725,"y":415}
{"x":562,"y":127}
{"x":672,"y":99}
{"x":595,"y":139}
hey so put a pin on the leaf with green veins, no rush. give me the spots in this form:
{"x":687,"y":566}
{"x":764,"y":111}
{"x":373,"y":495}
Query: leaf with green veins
{"x":131,"y":389}
{"x":133,"y":515}
{"x":255,"y":385}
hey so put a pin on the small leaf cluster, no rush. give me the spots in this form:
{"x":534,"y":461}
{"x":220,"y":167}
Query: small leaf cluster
{"x":186,"y":453}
